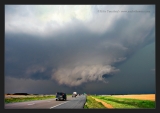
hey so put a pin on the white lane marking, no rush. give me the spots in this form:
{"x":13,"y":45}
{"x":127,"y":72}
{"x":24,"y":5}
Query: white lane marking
{"x":58,"y":105}
{"x":41,"y":100}
{"x":31,"y":104}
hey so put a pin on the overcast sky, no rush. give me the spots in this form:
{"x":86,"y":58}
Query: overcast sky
{"x":98,"y":49}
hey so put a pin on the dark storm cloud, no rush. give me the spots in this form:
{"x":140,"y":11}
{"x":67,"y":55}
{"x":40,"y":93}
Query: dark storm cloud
{"x":31,"y":86}
{"x":37,"y":56}
{"x":74,"y":51}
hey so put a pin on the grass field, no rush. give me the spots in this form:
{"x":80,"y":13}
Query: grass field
{"x":92,"y":103}
{"x":125,"y":101}
{"x":22,"y":98}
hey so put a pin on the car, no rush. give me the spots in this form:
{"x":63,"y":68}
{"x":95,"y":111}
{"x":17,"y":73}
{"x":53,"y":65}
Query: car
{"x":74,"y":94}
{"x":61,"y":96}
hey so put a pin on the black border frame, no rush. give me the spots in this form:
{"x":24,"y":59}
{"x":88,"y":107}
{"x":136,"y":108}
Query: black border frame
{"x":99,"y":2}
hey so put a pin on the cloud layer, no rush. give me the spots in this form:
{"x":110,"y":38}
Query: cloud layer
{"x":79,"y":75}
{"x":73,"y":44}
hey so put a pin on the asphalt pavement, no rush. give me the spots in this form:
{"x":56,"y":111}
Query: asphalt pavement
{"x":75,"y":103}
{"x":70,"y":103}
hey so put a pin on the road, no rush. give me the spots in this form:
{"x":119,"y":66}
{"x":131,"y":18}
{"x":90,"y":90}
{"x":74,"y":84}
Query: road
{"x":70,"y":103}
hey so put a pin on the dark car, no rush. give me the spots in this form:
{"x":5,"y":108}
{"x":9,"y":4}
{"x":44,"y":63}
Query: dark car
{"x":61,"y":96}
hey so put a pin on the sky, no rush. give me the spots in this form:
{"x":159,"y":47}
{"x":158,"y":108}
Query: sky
{"x":93,"y":49}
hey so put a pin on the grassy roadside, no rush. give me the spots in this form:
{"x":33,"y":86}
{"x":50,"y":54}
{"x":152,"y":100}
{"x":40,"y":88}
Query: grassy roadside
{"x":28,"y":98}
{"x":125,"y":103}
{"x":93,"y":104}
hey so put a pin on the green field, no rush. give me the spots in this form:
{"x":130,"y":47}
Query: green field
{"x":122,"y":103}
{"x":91,"y":103}
{"x":27,"y":98}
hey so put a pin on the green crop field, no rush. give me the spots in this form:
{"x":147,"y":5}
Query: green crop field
{"x":123,"y":103}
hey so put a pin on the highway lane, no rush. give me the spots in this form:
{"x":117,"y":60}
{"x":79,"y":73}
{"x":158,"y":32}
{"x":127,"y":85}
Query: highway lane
{"x":74,"y":103}
{"x":49,"y":103}
{"x":38,"y":104}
